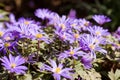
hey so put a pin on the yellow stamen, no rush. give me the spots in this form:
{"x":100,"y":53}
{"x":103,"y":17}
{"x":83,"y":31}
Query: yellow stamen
{"x":73,"y":25}
{"x":63,"y":26}
{"x":96,"y":41}
{"x":63,"y":36}
{"x":7,"y":44}
{"x":86,"y":23}
{"x":98,"y":32}
{"x":39,"y":35}
{"x":1,"y":33}
{"x":13,"y":65}
{"x":76,"y":35}
{"x":72,"y":52}
{"x":57,"y":70}
{"x":26,"y":22}
{"x":118,"y":45}
{"x":92,"y":46}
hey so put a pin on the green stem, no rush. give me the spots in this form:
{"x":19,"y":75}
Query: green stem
{"x":23,"y":50}
{"x":11,"y":76}
{"x":74,"y":62}
{"x":38,"y":47}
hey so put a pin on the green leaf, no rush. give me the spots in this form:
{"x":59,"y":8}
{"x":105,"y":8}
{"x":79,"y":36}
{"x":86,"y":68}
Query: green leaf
{"x":25,"y":77}
{"x":111,"y":75}
{"x":117,"y":74}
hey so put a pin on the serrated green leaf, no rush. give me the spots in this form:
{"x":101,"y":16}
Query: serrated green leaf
{"x":111,"y":75}
{"x":117,"y":74}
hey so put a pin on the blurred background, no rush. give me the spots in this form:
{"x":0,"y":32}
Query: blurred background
{"x":84,"y":8}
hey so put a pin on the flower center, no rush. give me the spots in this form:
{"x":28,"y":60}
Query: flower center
{"x":96,"y":41}
{"x":76,"y":35}
{"x":26,"y":22}
{"x":98,"y":32}
{"x":71,"y":52}
{"x":1,"y":33}
{"x":7,"y":38}
{"x":92,"y":46}
{"x":39,"y":35}
{"x":118,"y":45}
{"x":7,"y":44}
{"x":86,"y":23}
{"x":73,"y":25}
{"x":63,"y":37}
{"x":57,"y":70}
{"x":13,"y":65}
{"x":63,"y":26}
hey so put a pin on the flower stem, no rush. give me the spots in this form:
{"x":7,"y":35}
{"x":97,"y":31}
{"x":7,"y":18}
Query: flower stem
{"x":11,"y":76}
{"x":74,"y":62}
{"x":38,"y":47}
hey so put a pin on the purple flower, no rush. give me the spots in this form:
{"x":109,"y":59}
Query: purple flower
{"x":92,"y":44}
{"x":12,"y":18}
{"x":83,"y":24}
{"x":2,"y":31}
{"x":62,"y":24}
{"x":39,"y":35}
{"x":98,"y":31}
{"x":22,"y":22}
{"x":65,"y":36}
{"x":87,"y":61}
{"x":101,"y":19}
{"x":75,"y":24}
{"x":58,"y":71}
{"x":23,"y":27}
{"x":23,"y":32}
{"x":45,"y":14}
{"x":7,"y":45}
{"x":72,"y":14}
{"x":14,"y":64}
{"x":76,"y":36}
{"x":117,"y":33}
{"x":72,"y":52}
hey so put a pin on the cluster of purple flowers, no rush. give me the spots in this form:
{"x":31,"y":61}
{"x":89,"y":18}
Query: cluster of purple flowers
{"x":85,"y":40}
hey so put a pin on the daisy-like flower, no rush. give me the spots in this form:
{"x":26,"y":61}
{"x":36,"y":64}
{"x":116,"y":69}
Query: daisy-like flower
{"x":14,"y":64}
{"x":83,"y":24}
{"x":76,"y":36}
{"x":98,"y":31}
{"x":101,"y":19}
{"x":92,"y":44}
{"x":62,"y":24}
{"x":39,"y":35}
{"x":23,"y":27}
{"x":23,"y":32}
{"x":45,"y":14}
{"x":58,"y":70}
{"x":7,"y":45}
{"x":74,"y":24}
{"x":72,"y":52}
{"x":27,"y":23}
{"x":65,"y":36}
